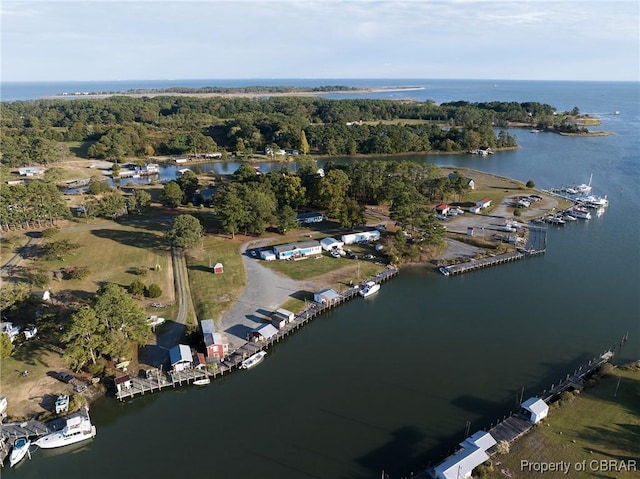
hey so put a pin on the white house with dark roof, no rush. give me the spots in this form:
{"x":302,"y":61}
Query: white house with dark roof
{"x":537,"y":407}
{"x":297,"y":250}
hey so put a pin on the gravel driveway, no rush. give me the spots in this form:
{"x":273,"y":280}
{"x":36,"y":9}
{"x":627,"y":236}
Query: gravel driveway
{"x":265,"y":291}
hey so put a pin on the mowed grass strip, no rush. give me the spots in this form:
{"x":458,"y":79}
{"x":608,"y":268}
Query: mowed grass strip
{"x":114,"y":254}
{"x":213,"y":294}
{"x":600,"y":424}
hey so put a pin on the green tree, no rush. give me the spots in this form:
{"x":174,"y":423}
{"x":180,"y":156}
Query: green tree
{"x":6,"y":348}
{"x":113,"y":205}
{"x":530,"y":184}
{"x":185,"y":231}
{"x":84,"y":338}
{"x":118,"y":312}
{"x":139,"y":201}
{"x":153,"y":291}
{"x":230,"y":209}
{"x":137,"y":288}
{"x":12,"y":294}
{"x":286,"y":217}
{"x":171,"y":194}
{"x":189,"y":185}
{"x":304,"y":144}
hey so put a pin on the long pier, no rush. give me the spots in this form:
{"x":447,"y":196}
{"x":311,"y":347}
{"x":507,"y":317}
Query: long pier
{"x":161,"y":380}
{"x":512,"y":427}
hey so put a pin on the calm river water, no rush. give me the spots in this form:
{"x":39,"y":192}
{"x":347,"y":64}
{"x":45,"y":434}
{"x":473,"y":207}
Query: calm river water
{"x":388,"y":383}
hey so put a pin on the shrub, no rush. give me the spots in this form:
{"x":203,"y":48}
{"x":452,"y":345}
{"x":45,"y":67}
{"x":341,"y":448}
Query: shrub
{"x":153,"y":291}
{"x":50,"y":232}
{"x":530,"y":184}
{"x":517,"y":212}
{"x":76,"y":272}
{"x":137,"y":288}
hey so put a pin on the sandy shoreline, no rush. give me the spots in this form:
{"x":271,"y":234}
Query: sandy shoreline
{"x":233,"y":95}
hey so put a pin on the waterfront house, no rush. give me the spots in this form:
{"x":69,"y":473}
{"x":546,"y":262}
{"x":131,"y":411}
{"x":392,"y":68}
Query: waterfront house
{"x":462,"y":463}
{"x":122,"y":383}
{"x":218,"y":268}
{"x":216,"y":344}
{"x":329,"y":244}
{"x":297,"y":250}
{"x":468,"y":181}
{"x":308,"y":218}
{"x":442,"y":209}
{"x":181,"y":358}
{"x":31,"y":171}
{"x":361,"y":237}
{"x":326,"y":297}
{"x":537,"y":408}
{"x":264,"y":332}
{"x":484,"y":203}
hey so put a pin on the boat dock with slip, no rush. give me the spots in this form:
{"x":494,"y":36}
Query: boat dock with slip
{"x":161,"y":380}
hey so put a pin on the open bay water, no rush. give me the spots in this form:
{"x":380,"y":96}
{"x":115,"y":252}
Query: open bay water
{"x":389,"y":383}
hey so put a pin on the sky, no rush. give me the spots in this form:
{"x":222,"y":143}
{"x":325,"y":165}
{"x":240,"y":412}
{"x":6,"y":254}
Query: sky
{"x":240,"y":39}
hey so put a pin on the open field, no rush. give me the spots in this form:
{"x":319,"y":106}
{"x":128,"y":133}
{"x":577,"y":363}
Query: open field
{"x":600,"y":424}
{"x":117,"y":254}
{"x":213,"y":294}
{"x":10,"y":244}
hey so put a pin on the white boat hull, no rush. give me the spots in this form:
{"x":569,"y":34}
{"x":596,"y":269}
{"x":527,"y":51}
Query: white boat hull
{"x":202,"y":382}
{"x":369,"y":289}
{"x":76,"y":429}
{"x":18,"y":452}
{"x":253,"y":360}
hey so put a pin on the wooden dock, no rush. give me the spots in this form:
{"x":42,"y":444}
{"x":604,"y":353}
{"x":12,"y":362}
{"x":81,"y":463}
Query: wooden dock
{"x":161,"y":380}
{"x":476,"y":264}
{"x":141,"y":386}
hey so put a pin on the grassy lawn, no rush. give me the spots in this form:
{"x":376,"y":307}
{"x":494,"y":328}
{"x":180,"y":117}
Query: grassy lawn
{"x":115,"y":254}
{"x":79,"y":148}
{"x":212,"y":293}
{"x":10,"y":244}
{"x":600,"y":424}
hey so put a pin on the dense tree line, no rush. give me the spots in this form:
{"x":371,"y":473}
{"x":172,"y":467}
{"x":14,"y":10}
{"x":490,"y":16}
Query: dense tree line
{"x":250,"y":202}
{"x":33,"y":205}
{"x":121,"y":126}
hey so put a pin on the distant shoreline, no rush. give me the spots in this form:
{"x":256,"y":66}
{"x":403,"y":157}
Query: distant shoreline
{"x":296,"y":93}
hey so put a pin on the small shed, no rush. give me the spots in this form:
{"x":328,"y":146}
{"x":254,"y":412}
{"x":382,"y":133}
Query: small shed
{"x":285,"y":314}
{"x":470,"y":231}
{"x":218,"y":268}
{"x":62,"y":402}
{"x":122,"y":382}
{"x":442,"y":209}
{"x":475,"y":209}
{"x":181,"y":358}
{"x":484,"y":203}
{"x":263,"y":332}
{"x":326,"y":296}
{"x":537,"y":407}
{"x":199,"y":361}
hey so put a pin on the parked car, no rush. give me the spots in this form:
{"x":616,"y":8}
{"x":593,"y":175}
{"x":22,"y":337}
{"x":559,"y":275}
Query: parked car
{"x":65,"y":377}
{"x":80,"y":387}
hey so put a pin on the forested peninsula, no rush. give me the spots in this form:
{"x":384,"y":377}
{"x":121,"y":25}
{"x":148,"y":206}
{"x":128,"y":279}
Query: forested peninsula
{"x":121,"y":128}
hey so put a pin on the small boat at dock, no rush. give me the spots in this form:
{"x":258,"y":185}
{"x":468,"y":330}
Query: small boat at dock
{"x":581,"y":213}
{"x":202,"y":382}
{"x":370,"y":288}
{"x":20,"y":449}
{"x":253,"y":360}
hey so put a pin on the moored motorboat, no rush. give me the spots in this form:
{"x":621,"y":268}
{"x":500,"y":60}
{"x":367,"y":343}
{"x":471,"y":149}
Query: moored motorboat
{"x":444,"y":270}
{"x":77,"y":428}
{"x":253,"y":360}
{"x":369,"y":289}
{"x":581,"y":213}
{"x":20,"y":449}
{"x":202,"y":382}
